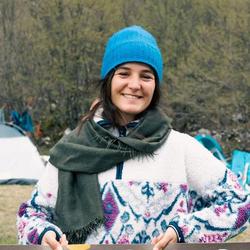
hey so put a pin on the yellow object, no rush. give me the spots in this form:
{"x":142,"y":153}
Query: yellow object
{"x":79,"y":247}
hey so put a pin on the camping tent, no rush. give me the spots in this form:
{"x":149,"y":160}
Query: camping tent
{"x":20,"y":162}
{"x":241,"y":166}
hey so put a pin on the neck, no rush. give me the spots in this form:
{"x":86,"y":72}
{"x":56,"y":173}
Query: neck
{"x":124,"y":119}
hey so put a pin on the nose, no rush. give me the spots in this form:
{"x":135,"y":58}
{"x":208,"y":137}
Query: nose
{"x":134,"y":82}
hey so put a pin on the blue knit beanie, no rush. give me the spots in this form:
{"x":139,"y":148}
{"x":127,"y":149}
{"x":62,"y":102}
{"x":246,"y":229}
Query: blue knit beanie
{"x":132,"y":44}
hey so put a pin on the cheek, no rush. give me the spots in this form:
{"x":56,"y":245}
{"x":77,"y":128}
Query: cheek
{"x":151,"y":92}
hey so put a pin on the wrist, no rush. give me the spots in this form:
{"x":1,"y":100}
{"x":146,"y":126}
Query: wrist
{"x":47,"y":229}
{"x":179,"y":234}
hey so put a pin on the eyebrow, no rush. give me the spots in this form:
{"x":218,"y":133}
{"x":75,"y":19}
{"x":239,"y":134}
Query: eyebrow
{"x":144,"y":70}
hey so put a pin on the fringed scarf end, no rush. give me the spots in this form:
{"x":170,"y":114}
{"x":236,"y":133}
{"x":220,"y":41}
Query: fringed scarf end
{"x":79,"y":236}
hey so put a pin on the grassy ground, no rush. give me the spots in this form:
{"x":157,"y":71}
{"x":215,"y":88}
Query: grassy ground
{"x":10,"y":199}
{"x":13,"y":195}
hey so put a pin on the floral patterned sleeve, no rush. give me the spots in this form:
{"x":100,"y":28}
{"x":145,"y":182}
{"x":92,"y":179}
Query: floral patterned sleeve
{"x":218,"y":206}
{"x":34,"y":216}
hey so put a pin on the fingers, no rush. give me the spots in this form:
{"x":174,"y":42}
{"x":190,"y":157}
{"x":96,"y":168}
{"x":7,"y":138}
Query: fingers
{"x":162,"y":241}
{"x":52,"y":243}
{"x":156,"y":239}
{"x":49,"y":239}
{"x":63,"y":240}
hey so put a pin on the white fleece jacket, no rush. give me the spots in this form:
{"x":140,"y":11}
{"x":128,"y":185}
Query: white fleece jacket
{"x":183,"y":185}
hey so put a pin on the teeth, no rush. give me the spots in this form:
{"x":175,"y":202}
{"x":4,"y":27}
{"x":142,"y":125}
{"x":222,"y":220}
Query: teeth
{"x":131,"y":96}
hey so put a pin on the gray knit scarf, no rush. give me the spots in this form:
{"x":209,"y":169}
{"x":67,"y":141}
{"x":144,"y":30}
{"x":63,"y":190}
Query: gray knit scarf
{"x":80,"y":156}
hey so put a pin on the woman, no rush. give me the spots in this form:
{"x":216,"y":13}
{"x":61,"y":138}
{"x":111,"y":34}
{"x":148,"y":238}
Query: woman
{"x":124,"y":175}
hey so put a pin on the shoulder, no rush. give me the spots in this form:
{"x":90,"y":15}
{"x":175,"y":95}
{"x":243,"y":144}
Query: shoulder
{"x":184,"y":145}
{"x":181,"y":139}
{"x":194,"y":152}
{"x":202,"y":168}
{"x":178,"y":145}
{"x":192,"y":147}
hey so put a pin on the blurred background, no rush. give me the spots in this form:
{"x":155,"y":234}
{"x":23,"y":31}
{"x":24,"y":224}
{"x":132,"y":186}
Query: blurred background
{"x":51,"y":52}
{"x":50,"y":59}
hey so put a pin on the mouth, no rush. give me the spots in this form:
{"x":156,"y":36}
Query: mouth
{"x":129,"y":96}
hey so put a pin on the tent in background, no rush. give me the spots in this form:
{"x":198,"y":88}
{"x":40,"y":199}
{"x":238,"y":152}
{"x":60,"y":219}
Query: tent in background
{"x":241,"y":167}
{"x":20,"y":162}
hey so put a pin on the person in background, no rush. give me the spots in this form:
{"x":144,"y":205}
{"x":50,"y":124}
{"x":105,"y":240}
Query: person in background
{"x":124,"y":175}
{"x":2,"y":115}
{"x":26,"y":117}
{"x":15,"y":118}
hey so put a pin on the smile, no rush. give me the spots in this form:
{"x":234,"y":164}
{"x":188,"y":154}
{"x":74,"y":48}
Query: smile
{"x":128,"y":96}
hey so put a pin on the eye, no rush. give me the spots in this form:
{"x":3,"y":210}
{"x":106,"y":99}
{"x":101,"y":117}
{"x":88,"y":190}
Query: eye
{"x":147,"y":76}
{"x":123,"y":74}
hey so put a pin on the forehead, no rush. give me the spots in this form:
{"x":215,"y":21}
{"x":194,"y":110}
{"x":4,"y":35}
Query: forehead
{"x":136,"y":66}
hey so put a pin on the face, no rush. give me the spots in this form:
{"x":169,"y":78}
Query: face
{"x":132,"y":89}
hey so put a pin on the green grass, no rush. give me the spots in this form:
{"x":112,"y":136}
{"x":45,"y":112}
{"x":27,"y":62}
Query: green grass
{"x":13,"y":195}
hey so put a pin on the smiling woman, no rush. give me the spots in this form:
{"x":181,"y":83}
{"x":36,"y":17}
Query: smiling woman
{"x":124,"y":176}
{"x":132,"y":89}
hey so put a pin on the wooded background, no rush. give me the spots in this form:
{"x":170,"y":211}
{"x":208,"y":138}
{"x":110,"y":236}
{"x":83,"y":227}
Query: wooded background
{"x":52,"y":50}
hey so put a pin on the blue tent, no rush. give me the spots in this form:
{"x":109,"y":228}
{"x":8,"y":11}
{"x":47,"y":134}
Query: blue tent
{"x":241,"y":166}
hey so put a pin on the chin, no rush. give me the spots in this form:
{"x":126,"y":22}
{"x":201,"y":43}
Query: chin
{"x":131,"y":112}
